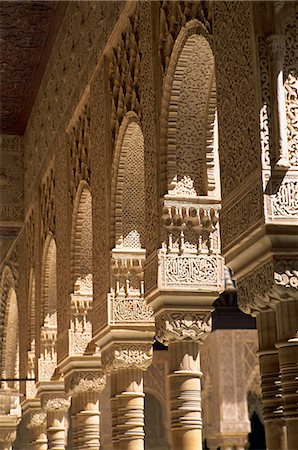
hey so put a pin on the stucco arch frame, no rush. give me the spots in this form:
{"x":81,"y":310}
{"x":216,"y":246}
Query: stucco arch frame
{"x":83,"y":191}
{"x":32,"y":308}
{"x":121,"y":149}
{"x":47,"y":260}
{"x":168,"y":152}
{"x":7,"y":283}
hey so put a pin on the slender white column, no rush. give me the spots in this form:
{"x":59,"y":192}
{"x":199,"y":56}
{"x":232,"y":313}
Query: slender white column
{"x":88,"y":421}
{"x":184,"y":332}
{"x":185,"y":395}
{"x":114,"y":411}
{"x":287,"y":344}
{"x":271,"y":382}
{"x":56,"y":430}
{"x":130,"y":409}
{"x":84,"y":386}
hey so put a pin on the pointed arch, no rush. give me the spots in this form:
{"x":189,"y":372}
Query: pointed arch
{"x":128,"y":186}
{"x":49,"y":285}
{"x":7,"y":284}
{"x":10,"y":351}
{"x":81,"y":237}
{"x":31,"y":310}
{"x":189,"y":159}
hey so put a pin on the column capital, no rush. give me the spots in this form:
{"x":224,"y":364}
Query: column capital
{"x":273,"y":282}
{"x":54,"y":401}
{"x":127,"y":356}
{"x":85,"y":381}
{"x":36,"y":419}
{"x":174,"y":326}
{"x":276,"y":46}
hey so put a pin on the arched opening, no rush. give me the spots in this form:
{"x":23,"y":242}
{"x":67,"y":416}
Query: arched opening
{"x":82,"y":239}
{"x":129,"y":190}
{"x":155,"y":426}
{"x":128,"y":220}
{"x":10,"y":355}
{"x":30,"y":384}
{"x":81,"y":297}
{"x":48,"y":339}
{"x":31,"y":310}
{"x":49,"y":304}
{"x":189,"y":121}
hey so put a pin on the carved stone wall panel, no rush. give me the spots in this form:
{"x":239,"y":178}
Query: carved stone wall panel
{"x":63,"y":235}
{"x":149,"y":107}
{"x":48,"y":219}
{"x":73,"y":58}
{"x":236,"y":85}
{"x":79,"y":148}
{"x":281,"y":198}
{"x":124,"y":74}
{"x":12,"y":179}
{"x":265,"y":106}
{"x":228,"y":361}
{"x":242,"y":216}
{"x":101,"y":197}
{"x":173,"y":15}
{"x":198,"y":272}
{"x":291,"y":86}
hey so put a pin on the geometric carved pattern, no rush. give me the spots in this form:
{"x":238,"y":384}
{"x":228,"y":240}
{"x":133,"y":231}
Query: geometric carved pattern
{"x":265,"y":110}
{"x":79,"y":146}
{"x":81,"y":246}
{"x":291,"y":87}
{"x":186,"y":141}
{"x":124,"y":75}
{"x":129,"y":188}
{"x":235,"y":79}
{"x":27,"y":32}
{"x":48,"y":220}
{"x":173,"y":16}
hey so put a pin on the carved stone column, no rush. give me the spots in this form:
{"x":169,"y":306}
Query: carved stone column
{"x":85,"y":386}
{"x":126,"y":363}
{"x":38,"y":431}
{"x":287,"y":344}
{"x":184,"y":333}
{"x":56,"y":404}
{"x":35,"y":421}
{"x":114,"y":411}
{"x":271,"y":382}
{"x":8,"y":426}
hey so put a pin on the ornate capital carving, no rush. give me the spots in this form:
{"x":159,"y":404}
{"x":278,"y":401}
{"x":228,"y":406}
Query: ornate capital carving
{"x":37,"y":419}
{"x":275,"y":281}
{"x":127,"y":356}
{"x":55,"y":402}
{"x":84,"y":381}
{"x":277,"y":47}
{"x":183,"y":326}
